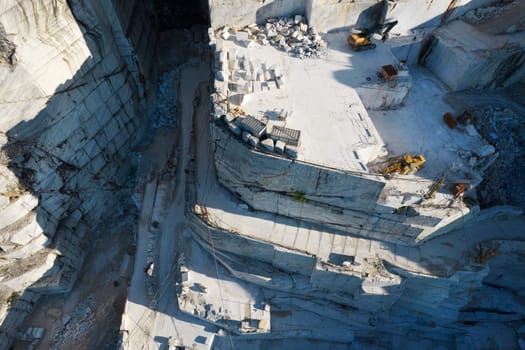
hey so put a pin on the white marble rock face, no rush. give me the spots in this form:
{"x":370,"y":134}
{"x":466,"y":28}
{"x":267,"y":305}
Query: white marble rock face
{"x":68,"y":110}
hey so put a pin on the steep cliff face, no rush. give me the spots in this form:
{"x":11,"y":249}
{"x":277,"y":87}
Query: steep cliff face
{"x":70,"y":100}
{"x":464,"y":57}
{"x":339,"y":200}
{"x":242,"y":12}
{"x":326,"y":15}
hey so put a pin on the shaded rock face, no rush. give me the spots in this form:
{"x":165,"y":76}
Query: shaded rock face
{"x":181,"y":14}
{"x":71,"y":112}
{"x":480,"y":60}
{"x":7,"y":48}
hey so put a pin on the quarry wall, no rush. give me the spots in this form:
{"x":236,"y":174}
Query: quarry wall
{"x":327,"y":15}
{"x":465,"y":58}
{"x":139,"y":25}
{"x":339,"y":200}
{"x":340,"y":285}
{"x":428,"y":299}
{"x":243,"y":12}
{"x":72,"y":96}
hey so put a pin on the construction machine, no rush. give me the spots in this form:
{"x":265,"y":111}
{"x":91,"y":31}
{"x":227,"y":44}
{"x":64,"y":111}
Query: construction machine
{"x":361,"y":41}
{"x":371,"y":21}
{"x":406,"y":164}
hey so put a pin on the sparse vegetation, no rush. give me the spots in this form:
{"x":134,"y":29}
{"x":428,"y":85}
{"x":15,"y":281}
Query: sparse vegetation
{"x":12,"y":299}
{"x":299,"y":196}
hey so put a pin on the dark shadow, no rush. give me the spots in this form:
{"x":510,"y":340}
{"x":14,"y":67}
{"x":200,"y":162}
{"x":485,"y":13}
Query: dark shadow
{"x":179,"y":14}
{"x":339,"y":259}
{"x":198,"y":288}
{"x":178,"y":45}
{"x":161,"y":340}
{"x":200,"y":339}
{"x":371,"y":19}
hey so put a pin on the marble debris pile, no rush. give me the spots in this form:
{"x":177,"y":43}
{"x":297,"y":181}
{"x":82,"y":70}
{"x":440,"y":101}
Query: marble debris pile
{"x":290,"y":34}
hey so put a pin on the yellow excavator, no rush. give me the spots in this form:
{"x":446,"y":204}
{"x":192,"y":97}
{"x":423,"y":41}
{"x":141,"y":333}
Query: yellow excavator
{"x":361,"y":41}
{"x":406,"y":164}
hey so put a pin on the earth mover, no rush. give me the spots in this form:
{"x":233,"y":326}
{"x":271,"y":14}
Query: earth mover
{"x":360,"y":41}
{"x":405,"y":165}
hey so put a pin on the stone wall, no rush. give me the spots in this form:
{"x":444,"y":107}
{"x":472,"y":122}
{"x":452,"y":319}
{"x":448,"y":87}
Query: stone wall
{"x":439,"y":299}
{"x":71,"y":97}
{"x":230,"y":242}
{"x":138,"y":22}
{"x":239,"y":166}
{"x":326,"y":15}
{"x":310,"y":276}
{"x":243,"y":12}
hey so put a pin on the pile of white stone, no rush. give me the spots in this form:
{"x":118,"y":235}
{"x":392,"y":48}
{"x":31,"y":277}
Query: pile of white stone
{"x":245,"y":75}
{"x":289,"y":34}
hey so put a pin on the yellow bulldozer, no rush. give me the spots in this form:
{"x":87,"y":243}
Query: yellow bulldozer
{"x":406,"y":164}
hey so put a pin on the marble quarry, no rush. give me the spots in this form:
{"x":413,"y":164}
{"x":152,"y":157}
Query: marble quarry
{"x":261,"y":170}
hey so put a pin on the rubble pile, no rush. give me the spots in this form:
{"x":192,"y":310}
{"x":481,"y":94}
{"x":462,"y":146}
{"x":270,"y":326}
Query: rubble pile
{"x":76,"y":325}
{"x":166,"y":113}
{"x":195,"y":298}
{"x":152,"y":257}
{"x":289,"y":34}
{"x":482,"y":14}
{"x":506,"y":131}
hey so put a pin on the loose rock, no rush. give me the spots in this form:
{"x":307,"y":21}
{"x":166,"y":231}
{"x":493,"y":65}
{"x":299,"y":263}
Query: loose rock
{"x":289,"y":34}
